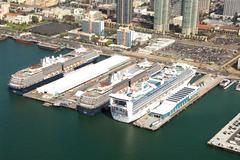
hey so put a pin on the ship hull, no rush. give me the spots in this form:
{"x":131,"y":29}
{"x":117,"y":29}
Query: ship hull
{"x":22,"y":91}
{"x":24,"y":41}
{"x":92,"y":111}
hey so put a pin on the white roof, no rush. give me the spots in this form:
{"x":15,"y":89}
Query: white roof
{"x":164,"y":108}
{"x":82,"y":75}
{"x":120,"y":96}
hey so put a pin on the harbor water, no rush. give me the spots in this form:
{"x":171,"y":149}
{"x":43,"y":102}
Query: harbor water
{"x":30,"y":131}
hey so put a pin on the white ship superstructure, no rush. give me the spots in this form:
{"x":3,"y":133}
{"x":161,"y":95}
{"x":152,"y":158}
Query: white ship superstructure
{"x":140,"y":98}
{"x":92,"y":99}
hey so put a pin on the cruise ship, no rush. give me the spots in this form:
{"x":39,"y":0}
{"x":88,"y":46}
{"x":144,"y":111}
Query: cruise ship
{"x":140,"y":98}
{"x":91,"y":100}
{"x":50,"y":69}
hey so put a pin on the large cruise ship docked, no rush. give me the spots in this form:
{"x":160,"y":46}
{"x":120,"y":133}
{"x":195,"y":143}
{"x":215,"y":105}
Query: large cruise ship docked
{"x":140,"y":98}
{"x":50,"y":69}
{"x":91,"y":100}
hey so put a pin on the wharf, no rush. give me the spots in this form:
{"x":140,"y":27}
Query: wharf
{"x":228,"y":138}
{"x":49,"y":46}
{"x":206,"y":83}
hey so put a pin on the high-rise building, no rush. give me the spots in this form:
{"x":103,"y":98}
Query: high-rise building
{"x":108,"y":1}
{"x":176,"y":8}
{"x":93,"y":26}
{"x":124,"y":11}
{"x":161,"y":21}
{"x":239,"y":63}
{"x":190,"y":17}
{"x":231,"y":7}
{"x":204,"y":6}
{"x":125,"y":37}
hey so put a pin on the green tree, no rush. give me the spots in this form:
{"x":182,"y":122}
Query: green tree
{"x":235,"y":17}
{"x":35,"y":19}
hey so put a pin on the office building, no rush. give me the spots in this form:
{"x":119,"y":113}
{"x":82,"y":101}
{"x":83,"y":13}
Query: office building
{"x":190,"y":17}
{"x":125,"y":37}
{"x":124,"y":11}
{"x":231,"y":7}
{"x":93,"y":26}
{"x":161,"y":21}
{"x":204,"y":6}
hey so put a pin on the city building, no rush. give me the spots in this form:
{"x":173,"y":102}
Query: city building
{"x":204,"y":6}
{"x":161,"y":21}
{"x":124,"y":11}
{"x":108,"y":1}
{"x":93,"y":26}
{"x":125,"y":37}
{"x":231,"y":7}
{"x":190,"y":17}
{"x":177,"y":21}
{"x":239,"y":63}
{"x":42,"y":3}
{"x":4,"y":9}
{"x":176,"y":8}
{"x":78,"y":13}
{"x":56,"y":13}
{"x":17,"y":19}
{"x":17,"y":1}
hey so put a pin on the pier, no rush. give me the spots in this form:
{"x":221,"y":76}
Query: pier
{"x":206,"y":83}
{"x":228,"y":138}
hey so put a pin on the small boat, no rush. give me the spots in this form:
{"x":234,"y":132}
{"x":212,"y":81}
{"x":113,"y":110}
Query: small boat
{"x":25,"y":38}
{"x":238,"y":86}
{"x":224,"y":83}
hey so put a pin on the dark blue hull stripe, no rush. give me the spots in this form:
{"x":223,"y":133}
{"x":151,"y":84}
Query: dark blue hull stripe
{"x":34,"y":86}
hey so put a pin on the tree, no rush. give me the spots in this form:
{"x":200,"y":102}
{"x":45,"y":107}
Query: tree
{"x":35,"y":19}
{"x":235,"y":17}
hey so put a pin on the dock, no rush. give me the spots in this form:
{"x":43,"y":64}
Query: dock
{"x":67,"y":98}
{"x":228,"y":138}
{"x":206,"y":83}
{"x":49,"y":46}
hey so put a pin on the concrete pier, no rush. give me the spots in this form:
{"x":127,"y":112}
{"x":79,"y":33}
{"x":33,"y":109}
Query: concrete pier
{"x":206,"y":83}
{"x":228,"y":138}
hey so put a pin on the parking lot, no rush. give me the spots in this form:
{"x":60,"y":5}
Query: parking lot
{"x":203,"y":54}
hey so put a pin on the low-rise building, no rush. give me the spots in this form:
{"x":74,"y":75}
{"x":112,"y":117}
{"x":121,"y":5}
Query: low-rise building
{"x":17,"y":1}
{"x":17,"y":19}
{"x":177,"y":21}
{"x":56,"y":12}
{"x":42,"y":3}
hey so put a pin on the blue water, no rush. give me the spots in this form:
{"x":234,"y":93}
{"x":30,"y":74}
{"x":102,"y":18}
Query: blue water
{"x":30,"y":131}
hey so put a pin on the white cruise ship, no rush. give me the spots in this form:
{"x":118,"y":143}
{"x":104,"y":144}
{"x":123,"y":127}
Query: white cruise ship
{"x":130,"y":104}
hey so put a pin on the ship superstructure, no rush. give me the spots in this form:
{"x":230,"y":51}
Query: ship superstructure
{"x":50,"y":69}
{"x":140,"y":98}
{"x":94,"y":98}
